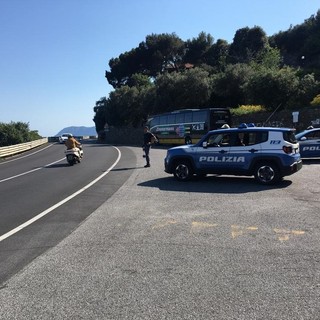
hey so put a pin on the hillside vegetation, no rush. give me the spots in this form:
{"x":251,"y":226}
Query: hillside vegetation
{"x":15,"y":133}
{"x":165,"y":73}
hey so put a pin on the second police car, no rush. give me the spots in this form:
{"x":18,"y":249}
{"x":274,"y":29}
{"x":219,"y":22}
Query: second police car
{"x":309,"y":141}
{"x":268,"y":154}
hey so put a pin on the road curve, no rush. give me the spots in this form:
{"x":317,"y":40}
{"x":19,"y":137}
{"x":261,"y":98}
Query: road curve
{"x":43,"y":199}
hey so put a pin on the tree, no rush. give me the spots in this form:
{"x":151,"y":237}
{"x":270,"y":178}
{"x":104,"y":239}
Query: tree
{"x":269,"y":58}
{"x":165,"y":52}
{"x":300,"y":45}
{"x":121,"y":105}
{"x":139,"y":80}
{"x":129,"y":106}
{"x":271,"y":88}
{"x":247,"y":44}
{"x":100,"y":114}
{"x":157,"y":54}
{"x":15,"y":133}
{"x":253,"y":69}
{"x":197,"y":49}
{"x":307,"y":89}
{"x":228,"y":86}
{"x":217,"y":55}
{"x":188,"y":89}
{"x":127,"y":64}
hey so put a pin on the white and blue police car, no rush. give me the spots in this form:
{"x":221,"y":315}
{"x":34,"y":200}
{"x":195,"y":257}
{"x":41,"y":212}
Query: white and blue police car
{"x":309,"y":141}
{"x":266,"y":153}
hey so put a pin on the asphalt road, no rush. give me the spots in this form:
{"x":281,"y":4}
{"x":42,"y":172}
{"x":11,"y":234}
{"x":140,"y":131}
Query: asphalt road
{"x":41,"y":182}
{"x":216,"y":248}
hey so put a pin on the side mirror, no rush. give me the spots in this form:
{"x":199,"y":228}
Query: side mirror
{"x":205,"y":144}
{"x":303,"y":139}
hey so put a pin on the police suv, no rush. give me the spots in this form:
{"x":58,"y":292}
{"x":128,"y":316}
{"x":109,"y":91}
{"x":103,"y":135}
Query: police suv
{"x":309,"y":141}
{"x":268,"y":154}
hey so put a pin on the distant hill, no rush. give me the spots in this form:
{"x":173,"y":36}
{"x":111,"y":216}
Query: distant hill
{"x":79,"y":131}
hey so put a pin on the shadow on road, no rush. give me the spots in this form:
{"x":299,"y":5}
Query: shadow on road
{"x":310,"y":161}
{"x":125,"y":169}
{"x":57,"y":165}
{"x":213,"y":184}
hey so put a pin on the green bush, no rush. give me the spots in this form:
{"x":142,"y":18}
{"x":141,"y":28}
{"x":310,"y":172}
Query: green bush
{"x":316,"y":101}
{"x":247,"y":109}
{"x":15,"y":133}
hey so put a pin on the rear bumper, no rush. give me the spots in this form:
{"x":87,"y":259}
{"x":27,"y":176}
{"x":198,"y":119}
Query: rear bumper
{"x":296,"y":166}
{"x":167,"y":168}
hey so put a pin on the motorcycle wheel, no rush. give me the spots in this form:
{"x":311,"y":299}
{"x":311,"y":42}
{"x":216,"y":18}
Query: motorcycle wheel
{"x":70,"y":160}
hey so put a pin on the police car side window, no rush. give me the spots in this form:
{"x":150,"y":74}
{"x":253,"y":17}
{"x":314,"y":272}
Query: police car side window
{"x":312,"y":136}
{"x":255,"y":137}
{"x":246,"y":139}
{"x":236,"y":139}
{"x":225,"y":141}
{"x":309,"y":136}
{"x":289,"y":136}
{"x":215,"y":140}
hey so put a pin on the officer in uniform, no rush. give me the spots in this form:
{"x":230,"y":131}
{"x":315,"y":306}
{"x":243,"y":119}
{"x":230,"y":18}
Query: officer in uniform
{"x":148,"y":139}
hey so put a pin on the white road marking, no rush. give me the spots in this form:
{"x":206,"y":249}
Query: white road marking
{"x":28,"y":155}
{"x":42,"y":214}
{"x":27,"y":172}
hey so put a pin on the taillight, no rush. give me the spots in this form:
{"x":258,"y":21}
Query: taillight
{"x":287,"y":149}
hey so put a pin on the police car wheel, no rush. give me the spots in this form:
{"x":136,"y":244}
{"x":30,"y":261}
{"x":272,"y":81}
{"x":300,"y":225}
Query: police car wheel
{"x":183,"y":171}
{"x":266,"y":173}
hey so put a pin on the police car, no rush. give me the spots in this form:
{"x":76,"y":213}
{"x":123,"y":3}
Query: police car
{"x":309,"y":141}
{"x":268,"y":154}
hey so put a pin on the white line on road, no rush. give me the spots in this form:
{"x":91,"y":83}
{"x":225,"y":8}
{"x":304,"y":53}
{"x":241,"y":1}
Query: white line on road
{"x":42,"y":214}
{"x":28,"y":155}
{"x":30,"y":171}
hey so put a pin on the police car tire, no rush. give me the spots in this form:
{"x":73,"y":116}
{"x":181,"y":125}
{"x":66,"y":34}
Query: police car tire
{"x":183,"y":170}
{"x":266,"y":173}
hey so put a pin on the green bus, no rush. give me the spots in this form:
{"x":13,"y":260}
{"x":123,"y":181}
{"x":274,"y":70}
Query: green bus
{"x":187,"y":126}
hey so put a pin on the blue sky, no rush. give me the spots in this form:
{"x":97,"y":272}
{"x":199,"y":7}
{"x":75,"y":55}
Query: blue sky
{"x":54,"y":53}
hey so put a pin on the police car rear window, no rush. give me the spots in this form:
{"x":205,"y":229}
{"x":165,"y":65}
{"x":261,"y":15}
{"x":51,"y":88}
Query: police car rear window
{"x":289,"y":136}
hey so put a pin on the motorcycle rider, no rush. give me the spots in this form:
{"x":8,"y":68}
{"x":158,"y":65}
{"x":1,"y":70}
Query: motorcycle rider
{"x":72,"y":143}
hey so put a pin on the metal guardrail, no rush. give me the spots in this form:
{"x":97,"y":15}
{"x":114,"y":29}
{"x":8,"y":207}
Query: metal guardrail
{"x":17,"y":148}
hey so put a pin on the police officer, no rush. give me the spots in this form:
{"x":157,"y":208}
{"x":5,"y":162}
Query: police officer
{"x":148,"y":139}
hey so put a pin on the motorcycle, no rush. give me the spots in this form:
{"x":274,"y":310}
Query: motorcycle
{"x":74,"y":155}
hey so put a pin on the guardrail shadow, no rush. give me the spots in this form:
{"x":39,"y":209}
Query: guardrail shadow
{"x":213,"y":184}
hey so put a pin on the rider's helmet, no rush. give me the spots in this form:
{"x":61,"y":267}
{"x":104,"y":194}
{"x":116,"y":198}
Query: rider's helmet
{"x":70,"y":135}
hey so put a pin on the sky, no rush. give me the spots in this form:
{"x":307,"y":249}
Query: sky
{"x":54,"y":53}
